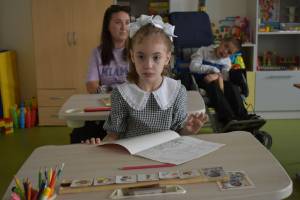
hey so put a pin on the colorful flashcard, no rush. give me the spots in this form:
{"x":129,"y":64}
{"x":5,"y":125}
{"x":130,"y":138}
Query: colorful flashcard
{"x":81,"y":183}
{"x":213,"y":172}
{"x":168,"y":175}
{"x":147,"y":177}
{"x":126,"y":179}
{"x":104,"y":180}
{"x":237,"y":180}
{"x":184,"y":174}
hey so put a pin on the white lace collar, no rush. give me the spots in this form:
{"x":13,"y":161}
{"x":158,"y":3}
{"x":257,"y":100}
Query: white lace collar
{"x":164,"y":96}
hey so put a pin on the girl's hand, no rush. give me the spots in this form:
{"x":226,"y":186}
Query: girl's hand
{"x":107,"y":138}
{"x":194,"y":123}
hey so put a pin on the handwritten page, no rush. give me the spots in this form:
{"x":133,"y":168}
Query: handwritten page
{"x":180,"y":150}
{"x":167,"y":147}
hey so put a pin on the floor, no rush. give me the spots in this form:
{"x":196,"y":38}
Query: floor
{"x":15,"y":148}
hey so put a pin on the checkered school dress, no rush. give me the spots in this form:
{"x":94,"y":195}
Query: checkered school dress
{"x":130,"y":122}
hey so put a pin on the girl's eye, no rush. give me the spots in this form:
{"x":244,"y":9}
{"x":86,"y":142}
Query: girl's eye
{"x":140,"y":56}
{"x":156,"y":58}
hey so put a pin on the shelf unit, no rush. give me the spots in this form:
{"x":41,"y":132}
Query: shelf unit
{"x":275,"y":96}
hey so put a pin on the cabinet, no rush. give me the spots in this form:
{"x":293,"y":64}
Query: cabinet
{"x":65,"y":32}
{"x":275,"y":91}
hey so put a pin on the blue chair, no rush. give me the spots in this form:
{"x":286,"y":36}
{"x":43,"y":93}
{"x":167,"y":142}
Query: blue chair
{"x":194,"y":31}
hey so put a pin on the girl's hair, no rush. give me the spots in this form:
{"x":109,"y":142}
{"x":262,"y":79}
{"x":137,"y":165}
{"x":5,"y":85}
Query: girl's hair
{"x":106,"y":44}
{"x":143,"y":32}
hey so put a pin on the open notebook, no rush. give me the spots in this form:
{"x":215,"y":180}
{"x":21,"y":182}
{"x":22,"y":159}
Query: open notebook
{"x":167,"y":146}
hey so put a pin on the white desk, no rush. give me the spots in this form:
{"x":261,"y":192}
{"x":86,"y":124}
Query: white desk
{"x":72,"y":110}
{"x":241,"y":152}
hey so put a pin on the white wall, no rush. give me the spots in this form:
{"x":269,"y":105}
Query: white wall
{"x":219,"y":9}
{"x":16,"y":34}
{"x":186,"y":5}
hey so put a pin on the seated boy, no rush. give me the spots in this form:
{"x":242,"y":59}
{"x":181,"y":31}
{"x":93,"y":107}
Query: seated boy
{"x":213,"y":65}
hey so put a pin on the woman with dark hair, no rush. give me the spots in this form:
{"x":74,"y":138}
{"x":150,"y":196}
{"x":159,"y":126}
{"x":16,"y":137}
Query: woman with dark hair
{"x":108,"y":66}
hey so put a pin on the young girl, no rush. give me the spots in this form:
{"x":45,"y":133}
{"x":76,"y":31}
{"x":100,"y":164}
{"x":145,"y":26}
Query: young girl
{"x":150,"y":102}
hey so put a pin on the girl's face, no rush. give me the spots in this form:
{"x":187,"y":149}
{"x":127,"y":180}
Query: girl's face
{"x":118,"y":26}
{"x":150,"y":56}
{"x":225,"y":49}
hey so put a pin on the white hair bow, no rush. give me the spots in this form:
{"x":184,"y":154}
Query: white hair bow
{"x":156,"y":21}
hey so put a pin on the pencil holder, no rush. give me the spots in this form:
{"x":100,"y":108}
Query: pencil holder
{"x":45,"y":189}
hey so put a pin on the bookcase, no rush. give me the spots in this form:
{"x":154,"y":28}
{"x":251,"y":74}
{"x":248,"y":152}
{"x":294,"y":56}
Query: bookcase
{"x":277,"y":66}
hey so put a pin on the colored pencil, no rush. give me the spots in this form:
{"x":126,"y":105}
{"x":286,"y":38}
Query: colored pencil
{"x":147,"y":166}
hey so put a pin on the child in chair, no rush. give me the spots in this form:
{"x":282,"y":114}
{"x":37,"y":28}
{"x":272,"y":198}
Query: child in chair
{"x":213,"y":64}
{"x":150,"y":101}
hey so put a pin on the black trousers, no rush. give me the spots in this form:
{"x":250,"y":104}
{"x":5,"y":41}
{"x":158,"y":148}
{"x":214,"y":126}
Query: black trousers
{"x":89,"y":130}
{"x":228,"y":105}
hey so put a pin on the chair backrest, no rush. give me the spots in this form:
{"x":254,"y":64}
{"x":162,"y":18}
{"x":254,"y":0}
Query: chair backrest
{"x":193,"y":30}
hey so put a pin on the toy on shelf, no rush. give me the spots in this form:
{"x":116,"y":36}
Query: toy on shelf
{"x":33,"y":112}
{"x":238,"y":27}
{"x":6,"y":126}
{"x":269,"y":15}
{"x":269,"y":10}
{"x":288,"y":61}
{"x":202,"y":6}
{"x":291,"y":14}
{"x":269,"y":26}
{"x":14,"y":115}
{"x":24,"y":116}
{"x":159,"y":8}
{"x":272,"y":61}
{"x":290,"y":26}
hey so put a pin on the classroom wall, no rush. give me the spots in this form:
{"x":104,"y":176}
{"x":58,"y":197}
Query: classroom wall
{"x":219,"y":9}
{"x":188,"y":5}
{"x":16,"y":34}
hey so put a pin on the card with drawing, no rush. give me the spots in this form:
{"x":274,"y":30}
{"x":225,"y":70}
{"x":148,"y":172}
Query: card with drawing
{"x":237,"y":180}
{"x":168,"y":175}
{"x":212,"y":173}
{"x":104,"y":180}
{"x":147,"y":177}
{"x":81,"y":183}
{"x":126,"y":179}
{"x":184,"y":174}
